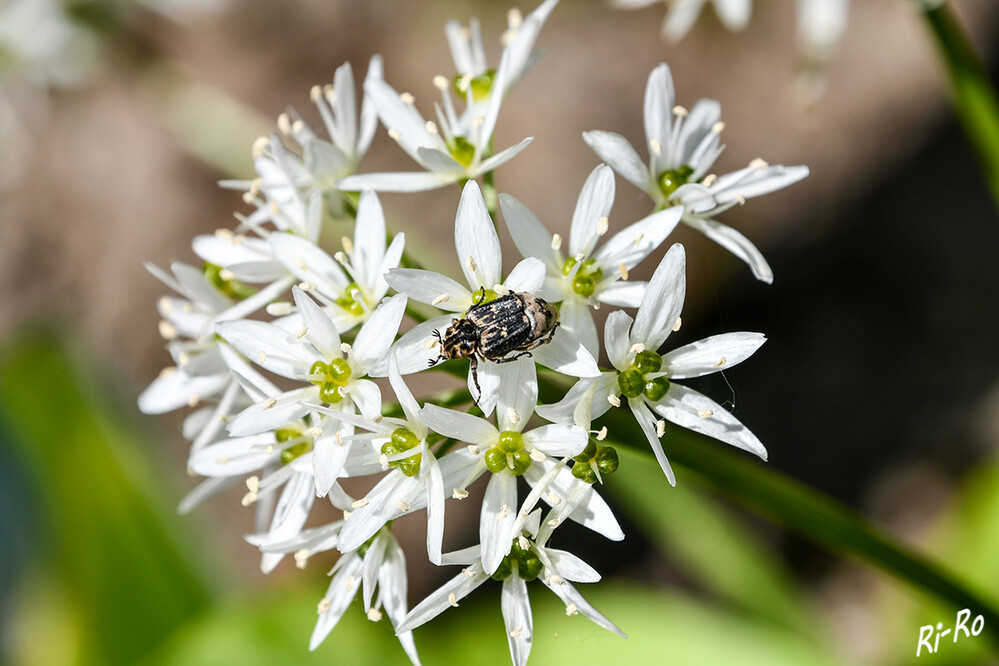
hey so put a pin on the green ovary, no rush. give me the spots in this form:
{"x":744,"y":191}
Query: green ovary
{"x":526,"y":561}
{"x":230,"y":288}
{"x":633,"y":382}
{"x":462,"y":151}
{"x":671,"y":179}
{"x":594,"y":457}
{"x":330,"y":378}
{"x":481,"y":85}
{"x":509,"y":453}
{"x":348,"y":301}
{"x":403,"y":440}
{"x":586,"y":278}
{"x":290,"y":433}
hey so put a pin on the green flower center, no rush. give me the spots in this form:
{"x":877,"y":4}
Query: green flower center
{"x":633,"y":383}
{"x":462,"y":151}
{"x":509,"y":453}
{"x":403,"y":440}
{"x":593,"y":458}
{"x":481,"y":85}
{"x":586,"y":277}
{"x":671,"y":179}
{"x":330,"y":378}
{"x":291,"y":433}
{"x":524,"y":560}
{"x":230,"y":288}
{"x":348,"y":301}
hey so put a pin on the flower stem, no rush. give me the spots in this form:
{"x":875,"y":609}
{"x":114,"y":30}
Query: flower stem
{"x":975,"y":99}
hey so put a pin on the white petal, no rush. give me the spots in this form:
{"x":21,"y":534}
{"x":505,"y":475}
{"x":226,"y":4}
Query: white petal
{"x":203,"y":491}
{"x":570,"y":567}
{"x":658,"y":108}
{"x":342,"y":590}
{"x":405,"y":397}
{"x":557,"y":440}
{"x":624,"y":294}
{"x":428,"y":286}
{"x":439,"y":161}
{"x":719,"y":352}
{"x":309,"y":263}
{"x":663,"y":300}
{"x":377,"y":334}
{"x":435,"y":506}
{"x":367,"y":396}
{"x":518,"y":394}
{"x":412,"y":350}
{"x":569,"y":595}
{"x":175,"y":389}
{"x":369,"y":239}
{"x":529,"y":235}
{"x":648,"y":423}
{"x":690,"y":409}
{"x":754,"y":181}
{"x":584,"y":504}
{"x":734,"y":242}
{"x":617,"y":339}
{"x":734,"y":13}
{"x":637,"y":241}
{"x":237,"y":456}
{"x":594,"y":204}
{"x":459,"y":425}
{"x":403,"y":181}
{"x":382,"y":506}
{"x":528,"y":275}
{"x":328,"y":457}
{"x":289,"y":516}
{"x":566,"y":354}
{"x":496,"y":521}
{"x":617,"y":152}
{"x":460,"y":586}
{"x":320,"y":329}
{"x":263,"y":416}
{"x":270,"y":347}
{"x":503,"y":156}
{"x":576,"y":318}
{"x":475,"y":237}
{"x":518,"y":620}
{"x":402,"y":118}
{"x":489,"y":380}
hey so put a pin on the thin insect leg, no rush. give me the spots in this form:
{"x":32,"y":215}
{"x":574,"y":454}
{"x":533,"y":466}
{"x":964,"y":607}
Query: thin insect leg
{"x":508,"y":359}
{"x":482,"y":295}
{"x":541,"y":341}
{"x":473,"y":364}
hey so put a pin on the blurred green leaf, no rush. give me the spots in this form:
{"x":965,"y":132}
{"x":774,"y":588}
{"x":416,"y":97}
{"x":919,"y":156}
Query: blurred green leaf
{"x":706,"y":543}
{"x":108,"y":535}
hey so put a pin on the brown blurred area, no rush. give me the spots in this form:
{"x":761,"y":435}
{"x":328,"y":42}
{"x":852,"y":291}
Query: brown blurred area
{"x":109,"y":184}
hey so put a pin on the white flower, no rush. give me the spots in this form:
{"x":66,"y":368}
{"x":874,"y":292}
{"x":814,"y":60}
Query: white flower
{"x":646,"y":378}
{"x":478,"y":249}
{"x":316,"y":164}
{"x":335,"y":374}
{"x":528,"y":560}
{"x":589,"y":276}
{"x":681,"y":14}
{"x":683,"y":146}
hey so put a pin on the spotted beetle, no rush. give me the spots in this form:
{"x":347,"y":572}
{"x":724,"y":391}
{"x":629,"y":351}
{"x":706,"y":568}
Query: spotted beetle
{"x":494,"y":331}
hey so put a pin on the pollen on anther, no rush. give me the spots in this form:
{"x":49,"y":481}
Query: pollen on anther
{"x":374,"y":614}
{"x":602,"y":226}
{"x":468,"y":572}
{"x":718,"y":127}
{"x":284,"y":123}
{"x":348,"y":245}
{"x":259,"y":145}
{"x":431,"y":127}
{"x":193,"y":400}
{"x":637,"y":347}
{"x":402,"y":506}
{"x":341,"y":258}
{"x":623,"y":270}
{"x":473,"y":449}
{"x":538,"y":455}
{"x":350,"y":582}
{"x":166,"y":372}
{"x":660,"y":428}
{"x":477,"y":121}
{"x":269,"y":403}
{"x":301,"y":558}
{"x":741,"y":200}
{"x":248,"y":197}
{"x":514,"y":18}
{"x":346,"y":515}
{"x":614,"y":400}
{"x":315,"y":93}
{"x":261,"y":357}
{"x":394,"y":134}
{"x":678,"y":324}
{"x":443,"y":298}
{"x":504,"y":511}
{"x":440,"y":82}
{"x":453,"y":600}
{"x":298,"y":125}
{"x":556,"y":241}
{"x":571,"y":610}
{"x":431,"y":343}
{"x":523,"y":542}
{"x":302,"y":333}
{"x":720,"y":363}
{"x":758,"y":164}
{"x":602,"y":434}
{"x":383,"y":461}
{"x":655,"y":146}
{"x":470,"y":263}
{"x":553,"y":499}
{"x":167,"y":330}
{"x":315,"y":431}
{"x":516,"y":632}
{"x":324,"y":606}
{"x":345,"y":347}
{"x":463,"y":82}
{"x":709,"y":180}
{"x":680,"y":111}
{"x":704,"y":413}
{"x":306,"y":286}
{"x":459,"y":494}
{"x":361,"y":503}
{"x":512,"y":415}
{"x":407,"y":98}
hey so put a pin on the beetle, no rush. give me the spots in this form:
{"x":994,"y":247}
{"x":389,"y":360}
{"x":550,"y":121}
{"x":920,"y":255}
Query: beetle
{"x":500,"y":331}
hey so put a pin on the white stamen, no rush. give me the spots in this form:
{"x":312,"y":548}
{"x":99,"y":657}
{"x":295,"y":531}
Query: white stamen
{"x":709,"y":180}
{"x":394,"y":134}
{"x":431,"y":127}
{"x":556,"y":241}
{"x":516,"y":632}
{"x":571,"y":610}
{"x":614,"y":400}
{"x":459,"y":494}
{"x":758,"y":164}
{"x":503,"y":512}
{"x":167,"y":330}
{"x":350,"y":582}
{"x":166,"y":372}
{"x":660,"y":428}
{"x":512,"y":415}
{"x":253,"y":484}
{"x":470,"y":263}
{"x":279,"y":309}
{"x":259,"y":145}
{"x":307,"y":286}
{"x":302,"y":333}
{"x":623,"y":270}
{"x":602,"y":226}
{"x":720,"y":363}
{"x":261,"y":357}
{"x":374,"y":614}
{"x":383,"y":461}
{"x":602,"y":434}
{"x":345,"y":347}
{"x":524,"y":543}
{"x":225,"y":234}
{"x":269,"y":403}
{"x":637,"y":347}
{"x":443,"y":298}
{"x":553,"y":499}
{"x":514,"y":18}
{"x":348,"y":245}
{"x":315,"y":93}
{"x":463,"y":82}
{"x":248,"y":197}
{"x":741,"y":200}
{"x":468,"y":572}
{"x":297,"y":126}
{"x":403,"y":506}
{"x":718,"y":127}
{"x":678,"y":324}
{"x":359,"y":504}
{"x":500,"y":289}
{"x":538,"y":455}
{"x":315,"y":432}
{"x":477,"y":121}
{"x":407,"y":98}
{"x":679,"y":111}
{"x":341,"y":258}
{"x":440,"y":82}
{"x":655,"y":146}
{"x":324,"y":606}
{"x":284,"y":123}
{"x":227,"y":275}
{"x":473,"y":449}
{"x":346,"y":515}
{"x":453,"y":600}
{"x":301,"y":558}
{"x":431,"y":343}
{"x":704,"y":413}
{"x":193,"y":400}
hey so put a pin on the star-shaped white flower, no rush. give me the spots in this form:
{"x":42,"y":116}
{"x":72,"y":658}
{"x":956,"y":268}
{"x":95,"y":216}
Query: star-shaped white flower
{"x":647,"y":379}
{"x":683,"y":146}
{"x":589,"y":276}
{"x":478,"y":249}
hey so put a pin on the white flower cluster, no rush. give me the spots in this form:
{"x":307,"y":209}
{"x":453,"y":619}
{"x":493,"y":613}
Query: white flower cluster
{"x":285,"y":401}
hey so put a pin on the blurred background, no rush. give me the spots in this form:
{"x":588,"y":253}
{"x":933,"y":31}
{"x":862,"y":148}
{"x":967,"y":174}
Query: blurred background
{"x":879,"y":385}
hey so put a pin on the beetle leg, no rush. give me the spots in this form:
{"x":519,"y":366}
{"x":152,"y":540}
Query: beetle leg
{"x":482,"y":295}
{"x":534,"y":345}
{"x":510,"y":359}
{"x":473,"y":365}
